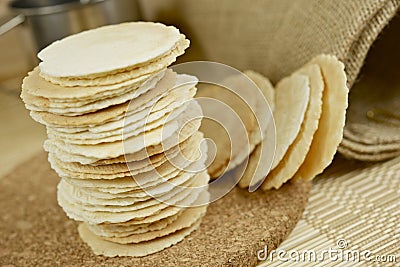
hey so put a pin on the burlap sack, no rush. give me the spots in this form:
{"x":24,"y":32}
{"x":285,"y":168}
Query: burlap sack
{"x":372,"y":131}
{"x":275,"y":37}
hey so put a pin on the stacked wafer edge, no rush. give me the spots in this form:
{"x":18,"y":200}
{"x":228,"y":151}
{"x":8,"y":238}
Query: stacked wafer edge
{"x":123,"y":136}
{"x":372,"y":142}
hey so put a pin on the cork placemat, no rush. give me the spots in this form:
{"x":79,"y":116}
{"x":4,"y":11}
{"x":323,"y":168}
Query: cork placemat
{"x":35,"y":232}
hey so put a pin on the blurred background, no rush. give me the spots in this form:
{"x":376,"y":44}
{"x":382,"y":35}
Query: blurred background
{"x":273,"y":37}
{"x":242,"y":33}
{"x":26,"y":26}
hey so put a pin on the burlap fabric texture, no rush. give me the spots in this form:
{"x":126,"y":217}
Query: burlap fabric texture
{"x":275,"y":37}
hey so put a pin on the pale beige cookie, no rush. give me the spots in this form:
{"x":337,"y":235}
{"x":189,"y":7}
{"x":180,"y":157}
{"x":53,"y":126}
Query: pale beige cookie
{"x":126,"y":181}
{"x":267,"y":91}
{"x":258,"y":134}
{"x":251,"y":167}
{"x":292,"y":95}
{"x":56,"y":165}
{"x":188,"y":218}
{"x":221,"y":139}
{"x":178,"y":137}
{"x":115,"y":112}
{"x":99,"y":117}
{"x":203,"y":197}
{"x":298,"y":150}
{"x":161,"y":81}
{"x":151,"y":87}
{"x":89,"y":197}
{"x":158,"y":105}
{"x":35,"y":85}
{"x":47,"y":104}
{"x":190,"y":153}
{"x":236,"y":123}
{"x":138,"y":196}
{"x":137,"y":166}
{"x":181,"y":199}
{"x":121,"y":230}
{"x":261,"y":115}
{"x":89,"y":179}
{"x":111,"y":249}
{"x":255,"y":157}
{"x":129,"y":126}
{"x":162,"y":193}
{"x":330,"y":128}
{"x":133,"y":144}
{"x":123,"y":227}
{"x":108,"y":49}
{"x":91,"y":107}
{"x":128,"y":131}
{"x":264,"y":84}
{"x":123,"y":75}
{"x":154,"y":160}
{"x":174,"y":177}
{"x":127,"y":196}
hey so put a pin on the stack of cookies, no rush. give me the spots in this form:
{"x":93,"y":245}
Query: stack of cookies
{"x":123,"y":136}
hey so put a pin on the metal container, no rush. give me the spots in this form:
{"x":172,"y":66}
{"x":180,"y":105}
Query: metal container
{"x":50,"y":20}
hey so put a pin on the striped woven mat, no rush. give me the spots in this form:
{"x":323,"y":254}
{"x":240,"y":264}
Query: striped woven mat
{"x":354,"y":208}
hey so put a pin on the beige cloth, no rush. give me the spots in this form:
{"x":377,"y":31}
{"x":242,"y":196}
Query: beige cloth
{"x":276,"y":37}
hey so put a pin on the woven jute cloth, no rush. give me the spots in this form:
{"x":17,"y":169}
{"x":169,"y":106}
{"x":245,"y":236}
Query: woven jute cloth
{"x":276,"y":37}
{"x":372,"y":130}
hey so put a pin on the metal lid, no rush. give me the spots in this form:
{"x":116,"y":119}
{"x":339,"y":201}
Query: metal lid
{"x":42,"y":7}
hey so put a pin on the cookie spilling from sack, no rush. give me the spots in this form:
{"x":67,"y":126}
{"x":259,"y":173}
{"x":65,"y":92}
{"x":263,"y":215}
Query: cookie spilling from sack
{"x":123,"y":135}
{"x":309,"y":112}
{"x":232,"y":118}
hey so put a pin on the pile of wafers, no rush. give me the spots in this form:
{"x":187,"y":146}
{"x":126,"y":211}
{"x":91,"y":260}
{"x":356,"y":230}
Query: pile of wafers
{"x":236,"y":118}
{"x":309,"y":109}
{"x":123,"y":136}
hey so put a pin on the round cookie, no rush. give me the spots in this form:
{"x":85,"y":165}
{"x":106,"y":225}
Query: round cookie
{"x":298,"y":150}
{"x":119,"y":46}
